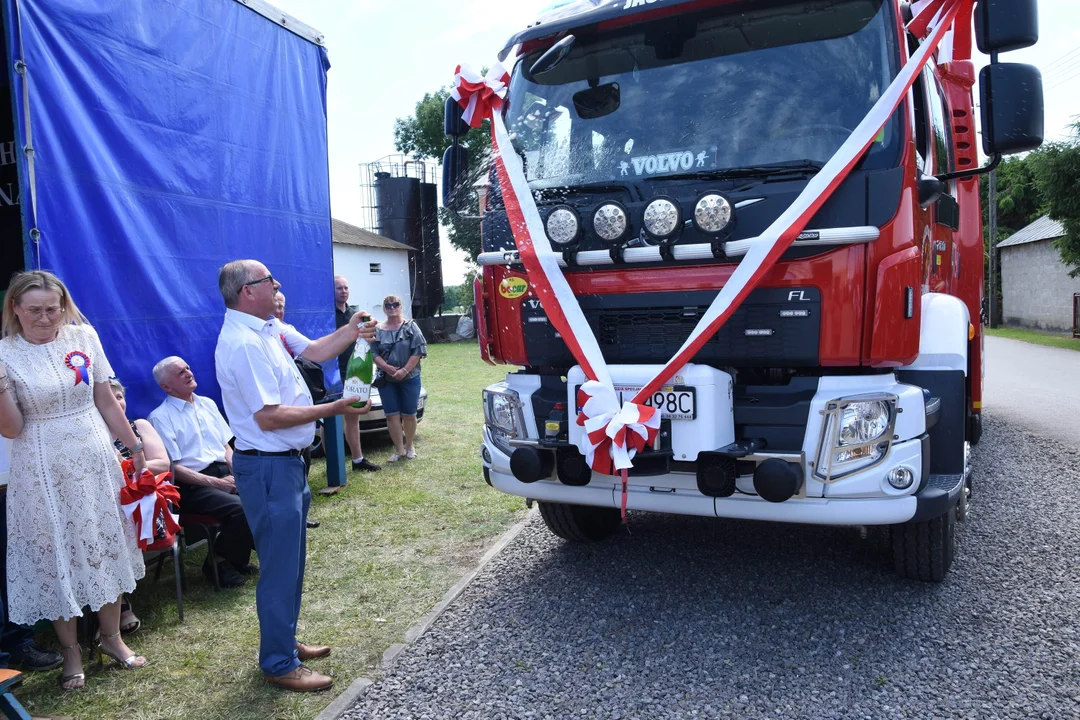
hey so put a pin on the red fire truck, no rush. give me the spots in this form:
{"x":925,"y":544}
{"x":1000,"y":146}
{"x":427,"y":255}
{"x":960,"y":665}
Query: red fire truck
{"x":659,"y":139}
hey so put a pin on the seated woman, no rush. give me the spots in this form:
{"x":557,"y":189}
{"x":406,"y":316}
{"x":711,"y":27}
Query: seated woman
{"x":157,"y":462}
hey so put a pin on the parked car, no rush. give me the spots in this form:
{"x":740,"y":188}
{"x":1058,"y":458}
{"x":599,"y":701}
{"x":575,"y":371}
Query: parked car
{"x":375,"y":421}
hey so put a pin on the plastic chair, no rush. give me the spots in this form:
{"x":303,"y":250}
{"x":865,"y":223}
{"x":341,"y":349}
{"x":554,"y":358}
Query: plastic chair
{"x":9,"y":705}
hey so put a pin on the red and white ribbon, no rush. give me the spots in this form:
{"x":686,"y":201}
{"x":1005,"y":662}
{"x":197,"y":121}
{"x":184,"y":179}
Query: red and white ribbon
{"x":932,"y":20}
{"x":479,"y":96}
{"x":144,"y":498}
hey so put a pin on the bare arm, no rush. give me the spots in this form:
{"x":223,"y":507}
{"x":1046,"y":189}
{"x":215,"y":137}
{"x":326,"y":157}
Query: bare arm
{"x":332,"y":345}
{"x":228,"y":455}
{"x":157,"y":458}
{"x":11,"y":417}
{"x":279,"y":417}
{"x":187,"y":476}
{"x":404,"y":370}
{"x":116,"y":421}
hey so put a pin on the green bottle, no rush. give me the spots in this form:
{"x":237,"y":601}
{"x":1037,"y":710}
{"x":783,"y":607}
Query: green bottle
{"x":360,"y":372}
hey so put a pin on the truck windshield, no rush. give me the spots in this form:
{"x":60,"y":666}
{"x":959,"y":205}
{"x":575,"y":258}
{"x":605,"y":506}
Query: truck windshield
{"x":735,"y":86}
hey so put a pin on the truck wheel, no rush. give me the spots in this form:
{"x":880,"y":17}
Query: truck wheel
{"x":579,"y":523}
{"x":924,"y":550}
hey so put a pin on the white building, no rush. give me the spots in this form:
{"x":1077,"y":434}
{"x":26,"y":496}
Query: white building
{"x":375,"y":267}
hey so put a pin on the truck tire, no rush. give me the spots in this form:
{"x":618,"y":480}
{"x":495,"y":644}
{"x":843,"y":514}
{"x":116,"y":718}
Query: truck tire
{"x":924,"y":550}
{"x":579,"y":523}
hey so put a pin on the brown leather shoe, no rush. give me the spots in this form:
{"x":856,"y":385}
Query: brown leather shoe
{"x":311,"y":652}
{"x":302,"y":679}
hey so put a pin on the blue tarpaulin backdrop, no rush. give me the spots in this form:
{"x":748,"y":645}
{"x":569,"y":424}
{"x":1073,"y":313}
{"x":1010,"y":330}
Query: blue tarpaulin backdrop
{"x":169,"y":137}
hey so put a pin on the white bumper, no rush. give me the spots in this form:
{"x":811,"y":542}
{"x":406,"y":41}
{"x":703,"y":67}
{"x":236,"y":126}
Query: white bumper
{"x":862,"y":497}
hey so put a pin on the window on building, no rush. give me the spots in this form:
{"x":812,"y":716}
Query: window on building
{"x":375,"y":268}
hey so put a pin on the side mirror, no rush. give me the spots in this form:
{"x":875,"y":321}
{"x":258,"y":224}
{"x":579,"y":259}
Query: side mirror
{"x":930,"y":190}
{"x":453,"y":124}
{"x":1012,"y":108}
{"x":455,"y":167}
{"x":1003,"y":25}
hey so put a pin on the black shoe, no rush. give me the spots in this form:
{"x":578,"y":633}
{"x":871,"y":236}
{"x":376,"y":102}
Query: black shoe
{"x":33,"y":659}
{"x":228,"y":577}
{"x":365,"y":465}
{"x":312,"y":524}
{"x":247,"y":569}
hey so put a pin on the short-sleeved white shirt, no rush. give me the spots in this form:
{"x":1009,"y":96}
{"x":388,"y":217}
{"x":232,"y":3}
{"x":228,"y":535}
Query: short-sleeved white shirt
{"x":254,"y":370}
{"x":194,"y":433}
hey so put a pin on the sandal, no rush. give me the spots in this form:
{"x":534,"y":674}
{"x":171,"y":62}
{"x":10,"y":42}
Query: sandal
{"x":131,"y":662}
{"x":129,"y":623}
{"x":394,"y":458}
{"x":75,"y":681}
{"x":411,"y":455}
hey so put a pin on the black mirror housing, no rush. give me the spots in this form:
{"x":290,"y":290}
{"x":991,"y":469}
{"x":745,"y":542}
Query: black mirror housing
{"x":455,"y":167}
{"x":595,"y":102}
{"x":1003,"y":25}
{"x":1012,"y":108}
{"x":453,"y":124}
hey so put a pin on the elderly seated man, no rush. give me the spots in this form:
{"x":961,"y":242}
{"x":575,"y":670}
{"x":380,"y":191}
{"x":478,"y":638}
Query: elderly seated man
{"x":197,"y":438}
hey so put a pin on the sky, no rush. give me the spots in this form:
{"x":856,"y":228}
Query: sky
{"x":385,"y":54}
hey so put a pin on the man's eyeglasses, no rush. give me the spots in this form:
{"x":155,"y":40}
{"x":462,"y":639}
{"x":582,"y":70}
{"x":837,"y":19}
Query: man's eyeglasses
{"x":391,"y":305}
{"x":268,"y":278}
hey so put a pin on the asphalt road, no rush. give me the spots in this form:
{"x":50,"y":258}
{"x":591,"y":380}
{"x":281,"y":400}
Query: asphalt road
{"x":687,"y":617}
{"x":1035,"y":386}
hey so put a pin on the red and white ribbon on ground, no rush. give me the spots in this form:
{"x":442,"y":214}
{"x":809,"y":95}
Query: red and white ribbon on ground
{"x":931,"y":21}
{"x":480,"y":96}
{"x":144,"y":498}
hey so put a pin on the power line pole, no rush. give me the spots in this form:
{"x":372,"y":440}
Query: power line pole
{"x":991,"y":200}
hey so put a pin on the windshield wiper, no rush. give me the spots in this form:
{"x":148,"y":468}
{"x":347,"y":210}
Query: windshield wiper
{"x":788,"y":167}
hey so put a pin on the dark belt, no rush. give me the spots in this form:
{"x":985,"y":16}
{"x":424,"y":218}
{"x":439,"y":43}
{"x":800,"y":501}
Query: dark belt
{"x":276,"y":453}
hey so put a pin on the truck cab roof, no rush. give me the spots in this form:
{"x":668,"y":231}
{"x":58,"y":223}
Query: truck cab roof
{"x":579,"y":13}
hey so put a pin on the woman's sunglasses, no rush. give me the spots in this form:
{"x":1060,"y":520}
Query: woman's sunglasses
{"x":391,"y":305}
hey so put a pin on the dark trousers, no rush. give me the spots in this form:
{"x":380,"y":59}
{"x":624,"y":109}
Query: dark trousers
{"x":12,"y":637}
{"x":234,"y":542}
{"x":276,"y":499}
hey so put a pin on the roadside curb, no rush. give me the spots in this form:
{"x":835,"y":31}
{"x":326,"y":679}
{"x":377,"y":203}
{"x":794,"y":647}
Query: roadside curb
{"x":359,"y":686}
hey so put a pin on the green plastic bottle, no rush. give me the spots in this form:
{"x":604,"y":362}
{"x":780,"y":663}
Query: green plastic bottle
{"x":360,"y":372}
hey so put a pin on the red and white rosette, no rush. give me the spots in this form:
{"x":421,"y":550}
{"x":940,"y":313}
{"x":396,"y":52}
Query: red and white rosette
{"x":480,"y":96}
{"x":634,"y":424}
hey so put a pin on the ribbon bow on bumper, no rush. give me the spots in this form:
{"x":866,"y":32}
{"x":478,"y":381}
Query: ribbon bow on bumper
{"x":143,"y":498}
{"x":614,"y":434}
{"x":479,"y":96}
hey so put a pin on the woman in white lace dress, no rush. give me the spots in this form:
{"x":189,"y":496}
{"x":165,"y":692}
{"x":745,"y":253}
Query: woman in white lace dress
{"x":69,"y":544}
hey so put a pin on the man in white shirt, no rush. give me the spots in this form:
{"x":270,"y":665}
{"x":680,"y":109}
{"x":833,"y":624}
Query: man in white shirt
{"x":270,"y":411}
{"x":197,"y":439}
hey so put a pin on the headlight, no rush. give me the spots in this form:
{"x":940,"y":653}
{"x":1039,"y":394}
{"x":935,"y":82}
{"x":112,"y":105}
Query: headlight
{"x":503,"y":416}
{"x":856,"y":434}
{"x":563,"y":225}
{"x":662,"y":218}
{"x":712,"y":213}
{"x":610,"y":222}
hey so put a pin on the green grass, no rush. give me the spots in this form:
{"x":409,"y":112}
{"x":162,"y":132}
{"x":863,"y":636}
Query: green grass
{"x":1039,"y":338}
{"x":389,"y":546}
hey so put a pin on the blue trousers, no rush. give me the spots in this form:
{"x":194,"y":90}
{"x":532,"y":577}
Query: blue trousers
{"x":276,"y":498}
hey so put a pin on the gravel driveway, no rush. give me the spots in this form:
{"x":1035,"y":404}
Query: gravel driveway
{"x":686,"y":617}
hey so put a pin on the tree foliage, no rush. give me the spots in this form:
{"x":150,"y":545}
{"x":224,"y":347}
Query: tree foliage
{"x":421,"y":136}
{"x":1056,"y":168}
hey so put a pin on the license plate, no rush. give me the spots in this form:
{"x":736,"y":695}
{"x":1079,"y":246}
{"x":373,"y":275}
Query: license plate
{"x":675,"y":402}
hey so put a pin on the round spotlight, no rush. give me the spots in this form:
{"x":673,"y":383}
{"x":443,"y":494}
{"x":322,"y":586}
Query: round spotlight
{"x":662,"y":218}
{"x":900,"y":478}
{"x":611,"y":222}
{"x":563,"y":225}
{"x":712,"y":213}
